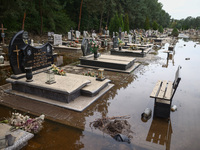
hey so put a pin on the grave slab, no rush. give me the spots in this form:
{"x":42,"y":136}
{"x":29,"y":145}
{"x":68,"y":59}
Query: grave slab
{"x":109,"y":62}
{"x":22,"y":137}
{"x":65,"y":48}
{"x":132,"y":53}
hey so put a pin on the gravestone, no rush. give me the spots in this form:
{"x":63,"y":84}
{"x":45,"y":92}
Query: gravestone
{"x":84,"y":34}
{"x":122,"y":36}
{"x":94,"y":35}
{"x":115,"y":42}
{"x":129,"y":38}
{"x":25,"y":35}
{"x":104,"y":31}
{"x":120,"y":31}
{"x":72,"y":32}
{"x":23,"y":55}
{"x":78,"y":34}
{"x":107,"y":32}
{"x":85,"y":47}
{"x":69,"y":36}
{"x":57,"y":39}
{"x":50,"y":35}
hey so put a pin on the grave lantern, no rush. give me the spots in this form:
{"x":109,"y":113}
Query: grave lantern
{"x":50,"y":77}
{"x":1,"y":59}
{"x":100,"y":76}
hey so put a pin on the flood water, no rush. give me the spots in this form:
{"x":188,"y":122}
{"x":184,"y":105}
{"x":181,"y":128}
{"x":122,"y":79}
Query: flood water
{"x":130,"y":96}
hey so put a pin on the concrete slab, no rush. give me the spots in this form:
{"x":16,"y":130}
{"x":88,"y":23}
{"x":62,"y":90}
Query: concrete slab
{"x":108,"y":61}
{"x":129,"y":70}
{"x":22,"y":137}
{"x":65,"y":48}
{"x":79,"y":104}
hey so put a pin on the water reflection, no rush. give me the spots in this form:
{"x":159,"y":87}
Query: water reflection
{"x":170,"y":57}
{"x":160,"y":132}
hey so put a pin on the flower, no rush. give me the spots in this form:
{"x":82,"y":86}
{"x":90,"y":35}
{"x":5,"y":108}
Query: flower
{"x":73,"y":44}
{"x":57,"y":71}
{"x":94,"y":45}
{"x":120,"y":42}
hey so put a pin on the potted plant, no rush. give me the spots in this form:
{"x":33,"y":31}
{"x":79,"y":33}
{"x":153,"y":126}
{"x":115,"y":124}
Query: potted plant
{"x":94,"y":46}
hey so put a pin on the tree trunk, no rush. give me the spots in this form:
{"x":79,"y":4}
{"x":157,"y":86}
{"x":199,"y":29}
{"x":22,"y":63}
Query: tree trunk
{"x":101,"y":21}
{"x":24,"y":20}
{"x":80,"y":15}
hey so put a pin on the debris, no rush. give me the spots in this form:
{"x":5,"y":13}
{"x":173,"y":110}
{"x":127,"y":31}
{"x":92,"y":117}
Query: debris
{"x":116,"y":127}
{"x":146,"y":115}
{"x":174,"y":108}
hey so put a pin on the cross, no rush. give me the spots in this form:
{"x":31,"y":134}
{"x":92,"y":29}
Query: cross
{"x":17,"y":51}
{"x":2,"y":31}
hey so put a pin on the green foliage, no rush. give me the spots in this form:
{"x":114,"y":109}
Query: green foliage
{"x":121,"y":22}
{"x":126,"y":23}
{"x":155,"y":25}
{"x":114,"y":24}
{"x":147,"y":24}
{"x":175,"y":32}
{"x":160,"y":29}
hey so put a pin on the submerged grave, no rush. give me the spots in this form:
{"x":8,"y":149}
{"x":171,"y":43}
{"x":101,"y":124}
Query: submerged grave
{"x":108,"y":62}
{"x":72,"y":91}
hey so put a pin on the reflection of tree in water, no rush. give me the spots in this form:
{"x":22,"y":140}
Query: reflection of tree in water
{"x":160,"y":132}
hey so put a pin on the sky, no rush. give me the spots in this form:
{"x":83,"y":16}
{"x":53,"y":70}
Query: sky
{"x":181,"y":9}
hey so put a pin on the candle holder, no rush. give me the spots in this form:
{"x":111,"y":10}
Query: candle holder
{"x":29,"y":74}
{"x":50,"y":78}
{"x":100,"y":76}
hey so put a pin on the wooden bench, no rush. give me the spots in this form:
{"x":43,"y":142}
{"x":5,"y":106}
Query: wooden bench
{"x":163,"y":93}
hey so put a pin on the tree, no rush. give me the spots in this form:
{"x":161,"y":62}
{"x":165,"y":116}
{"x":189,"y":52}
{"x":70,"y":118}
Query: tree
{"x":147,"y":24}
{"x":114,"y":24}
{"x":155,"y":25}
{"x":126,"y":23}
{"x":121,"y":22}
{"x":160,"y":29}
{"x":175,"y":32}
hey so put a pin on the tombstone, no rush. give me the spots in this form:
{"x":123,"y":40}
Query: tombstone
{"x":50,"y":35}
{"x":107,"y":32}
{"x":125,"y":32}
{"x":115,"y":42}
{"x":84,"y":34}
{"x":94,"y":35}
{"x":104,"y":31}
{"x":69,"y":36}
{"x":129,"y":38}
{"x":72,"y":34}
{"x":77,"y":34}
{"x":23,"y":55}
{"x":25,"y":35}
{"x":57,"y":39}
{"x":120,"y":31}
{"x":85,"y":47}
{"x":122,"y":36}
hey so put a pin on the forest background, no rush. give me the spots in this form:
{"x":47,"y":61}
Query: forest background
{"x":41,"y":16}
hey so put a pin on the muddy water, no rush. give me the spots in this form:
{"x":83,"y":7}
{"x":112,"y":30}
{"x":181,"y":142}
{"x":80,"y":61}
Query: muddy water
{"x":130,"y":96}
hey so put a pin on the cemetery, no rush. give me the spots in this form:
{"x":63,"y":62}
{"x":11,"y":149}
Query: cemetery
{"x":98,"y":75}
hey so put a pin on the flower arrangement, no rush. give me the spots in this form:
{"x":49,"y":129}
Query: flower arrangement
{"x":94,"y":45}
{"x":133,"y":47}
{"x":73,"y":44}
{"x":76,"y":41}
{"x":26,"y":123}
{"x":57,"y":71}
{"x":91,"y":74}
{"x":120,"y":42}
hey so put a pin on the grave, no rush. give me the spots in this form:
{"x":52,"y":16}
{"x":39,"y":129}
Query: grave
{"x":107,"y":62}
{"x":2,"y":33}
{"x":137,"y":50}
{"x":72,"y":91}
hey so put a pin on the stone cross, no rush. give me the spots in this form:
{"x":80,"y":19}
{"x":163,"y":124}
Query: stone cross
{"x":2,"y":32}
{"x":17,"y":51}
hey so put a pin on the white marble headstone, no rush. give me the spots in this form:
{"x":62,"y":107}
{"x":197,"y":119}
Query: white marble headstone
{"x":77,"y":34}
{"x":129,"y":38}
{"x":107,"y":32}
{"x":94,"y":35}
{"x":84,"y":33}
{"x":122,"y":36}
{"x":69,"y":36}
{"x":57,"y":39}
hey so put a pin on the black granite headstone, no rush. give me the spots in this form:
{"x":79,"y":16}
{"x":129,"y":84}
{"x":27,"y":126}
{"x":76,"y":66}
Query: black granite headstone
{"x":120,"y":31}
{"x":24,"y":55}
{"x":115,"y":42}
{"x":85,"y":47}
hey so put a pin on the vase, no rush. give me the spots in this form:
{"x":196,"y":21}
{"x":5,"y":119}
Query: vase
{"x":95,"y":55}
{"x":120,"y":48}
{"x":29,"y":74}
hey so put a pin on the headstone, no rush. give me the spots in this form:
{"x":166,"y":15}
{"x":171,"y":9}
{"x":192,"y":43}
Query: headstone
{"x":129,"y":38}
{"x":50,"y":35}
{"x":120,"y":31}
{"x":115,"y":42}
{"x":122,"y":36}
{"x":25,"y":35}
{"x":85,"y":47}
{"x":72,"y":32}
{"x":104,"y":31}
{"x":69,"y":36}
{"x":125,"y":32}
{"x":78,"y":34}
{"x":94,"y":35}
{"x":57,"y":39}
{"x":107,"y":32}
{"x":84,"y":34}
{"x":22,"y":55}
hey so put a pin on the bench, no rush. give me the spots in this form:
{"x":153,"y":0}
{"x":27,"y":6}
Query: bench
{"x":163,"y":94}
